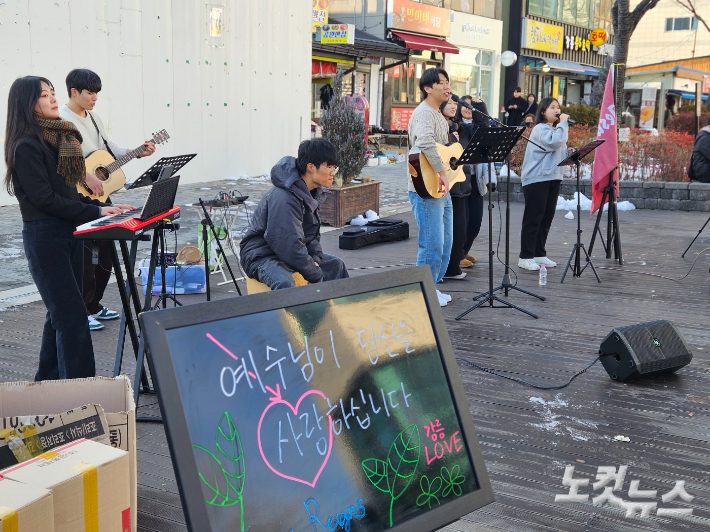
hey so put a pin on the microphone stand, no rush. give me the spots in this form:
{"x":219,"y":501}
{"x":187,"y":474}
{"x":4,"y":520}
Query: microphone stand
{"x":505,"y":285}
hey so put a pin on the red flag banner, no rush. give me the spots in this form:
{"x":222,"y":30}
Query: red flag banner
{"x":606,"y":157}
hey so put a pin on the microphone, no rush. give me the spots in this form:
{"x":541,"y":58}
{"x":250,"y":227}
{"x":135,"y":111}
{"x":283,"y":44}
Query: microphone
{"x":462,"y":102}
{"x":569,"y":120}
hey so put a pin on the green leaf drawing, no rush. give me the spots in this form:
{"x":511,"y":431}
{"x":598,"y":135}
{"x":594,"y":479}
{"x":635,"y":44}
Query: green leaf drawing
{"x":227,"y":473}
{"x":429,"y":491}
{"x":452,"y":481}
{"x":376,"y":471}
{"x":402,"y":460}
{"x":230,"y":453}
{"x":394,"y":475}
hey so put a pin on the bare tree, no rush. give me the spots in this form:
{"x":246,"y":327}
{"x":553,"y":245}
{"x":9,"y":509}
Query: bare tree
{"x":624,"y":22}
{"x":690,"y":6}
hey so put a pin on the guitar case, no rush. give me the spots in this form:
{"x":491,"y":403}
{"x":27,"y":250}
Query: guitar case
{"x":376,"y":231}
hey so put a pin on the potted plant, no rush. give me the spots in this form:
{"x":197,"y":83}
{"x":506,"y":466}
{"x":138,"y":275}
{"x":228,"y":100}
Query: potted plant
{"x":345,"y":129}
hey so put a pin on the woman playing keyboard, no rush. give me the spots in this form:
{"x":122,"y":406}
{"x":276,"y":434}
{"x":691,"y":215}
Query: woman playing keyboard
{"x":44,"y":164}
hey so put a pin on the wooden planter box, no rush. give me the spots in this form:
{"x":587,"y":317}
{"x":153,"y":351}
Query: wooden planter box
{"x":346,"y":202}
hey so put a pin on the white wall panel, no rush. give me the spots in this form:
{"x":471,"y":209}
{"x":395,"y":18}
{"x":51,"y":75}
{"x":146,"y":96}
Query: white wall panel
{"x":160,"y":69}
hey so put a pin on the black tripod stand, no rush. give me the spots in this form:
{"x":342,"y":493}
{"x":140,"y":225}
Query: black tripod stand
{"x":207,"y":221}
{"x":506,"y":285}
{"x":159,"y":241}
{"x":613,"y":234}
{"x":575,"y":158}
{"x":488,"y":146}
{"x":696,"y":237}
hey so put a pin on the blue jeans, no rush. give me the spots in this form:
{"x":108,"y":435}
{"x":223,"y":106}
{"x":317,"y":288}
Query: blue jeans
{"x":55,"y":260}
{"x":277,"y":275}
{"x":435,"y":219}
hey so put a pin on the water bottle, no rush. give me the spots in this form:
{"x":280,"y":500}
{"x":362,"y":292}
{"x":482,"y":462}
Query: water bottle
{"x":543,"y":275}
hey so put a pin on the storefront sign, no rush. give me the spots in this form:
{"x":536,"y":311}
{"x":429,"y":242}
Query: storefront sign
{"x":369,"y":60}
{"x":648,"y":107}
{"x":475,"y":31}
{"x":706,"y":84}
{"x":419,"y":18}
{"x":542,"y":36}
{"x":606,"y":49}
{"x":399,"y":119}
{"x":597,"y":37}
{"x":320,"y":13}
{"x":577,"y":43}
{"x":337,"y":34}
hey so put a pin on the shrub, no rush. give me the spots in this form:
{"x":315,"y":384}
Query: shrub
{"x":346,"y":131}
{"x":685,"y":122}
{"x":662,"y":157}
{"x":582,"y":114}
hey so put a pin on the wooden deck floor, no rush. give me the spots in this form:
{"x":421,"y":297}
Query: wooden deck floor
{"x":528,"y":436}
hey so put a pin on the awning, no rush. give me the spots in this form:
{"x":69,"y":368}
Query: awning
{"x":687,"y":95}
{"x":420,"y":42}
{"x":365,"y":45}
{"x":570,"y":66}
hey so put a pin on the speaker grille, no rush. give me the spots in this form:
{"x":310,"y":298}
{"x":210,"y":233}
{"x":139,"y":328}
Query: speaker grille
{"x":655,"y":346}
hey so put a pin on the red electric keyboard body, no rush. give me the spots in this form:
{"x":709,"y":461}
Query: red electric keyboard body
{"x":126,"y":226}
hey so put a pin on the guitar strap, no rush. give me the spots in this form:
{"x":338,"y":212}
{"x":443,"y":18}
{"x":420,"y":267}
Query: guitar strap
{"x":100,"y":135}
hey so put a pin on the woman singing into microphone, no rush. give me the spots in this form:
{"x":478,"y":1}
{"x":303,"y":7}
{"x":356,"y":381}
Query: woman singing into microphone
{"x":44,"y":164}
{"x":541,"y":179}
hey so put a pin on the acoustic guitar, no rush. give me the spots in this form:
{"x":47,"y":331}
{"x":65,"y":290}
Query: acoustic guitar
{"x":426,"y":179}
{"x":108,"y":170}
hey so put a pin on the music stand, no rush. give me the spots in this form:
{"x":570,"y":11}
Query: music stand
{"x":152,"y":174}
{"x":575,"y":159}
{"x":490,"y":145}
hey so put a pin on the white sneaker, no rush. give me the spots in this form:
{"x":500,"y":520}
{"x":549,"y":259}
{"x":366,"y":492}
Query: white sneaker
{"x":446,"y":297}
{"x":547,"y":262}
{"x":95,"y":325}
{"x":528,"y":264}
{"x":461,"y":275}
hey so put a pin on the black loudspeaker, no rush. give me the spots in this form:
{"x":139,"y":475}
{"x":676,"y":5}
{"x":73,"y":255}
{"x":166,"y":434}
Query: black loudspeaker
{"x":643,"y":349}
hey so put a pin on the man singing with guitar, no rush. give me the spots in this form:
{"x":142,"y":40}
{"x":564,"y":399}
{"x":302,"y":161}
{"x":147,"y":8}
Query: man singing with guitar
{"x":83,"y":87}
{"x":434,"y":215}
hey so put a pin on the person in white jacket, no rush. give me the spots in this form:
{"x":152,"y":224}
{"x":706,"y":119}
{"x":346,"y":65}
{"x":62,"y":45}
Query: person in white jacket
{"x":541,"y":178}
{"x":83,"y":87}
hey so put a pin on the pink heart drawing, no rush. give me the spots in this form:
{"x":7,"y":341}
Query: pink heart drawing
{"x":275,"y":400}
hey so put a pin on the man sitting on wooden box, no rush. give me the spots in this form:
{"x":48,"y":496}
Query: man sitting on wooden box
{"x":284,"y":233}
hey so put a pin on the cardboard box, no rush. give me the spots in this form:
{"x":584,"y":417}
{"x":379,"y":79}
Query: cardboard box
{"x":89,"y":483}
{"x":24,"y":437}
{"x":25,"y":508}
{"x":114,"y":395}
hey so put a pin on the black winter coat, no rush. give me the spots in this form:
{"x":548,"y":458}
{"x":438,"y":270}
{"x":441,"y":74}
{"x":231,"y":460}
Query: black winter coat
{"x":463,"y":188}
{"x":42,"y":193}
{"x":285,"y":225}
{"x":515,"y":116}
{"x":701,"y":156}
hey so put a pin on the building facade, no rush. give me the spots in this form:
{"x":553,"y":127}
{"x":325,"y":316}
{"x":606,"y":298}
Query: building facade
{"x":463,"y":36}
{"x":220,"y":77}
{"x":669,"y":32}
{"x":555,"y":42}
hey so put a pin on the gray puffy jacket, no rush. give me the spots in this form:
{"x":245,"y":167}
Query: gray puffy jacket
{"x":285,"y":225}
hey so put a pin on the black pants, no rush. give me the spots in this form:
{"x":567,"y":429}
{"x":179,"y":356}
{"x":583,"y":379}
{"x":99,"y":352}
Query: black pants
{"x":96,"y":276}
{"x":540,"y":205}
{"x":474,"y":216}
{"x":459,"y":235}
{"x":55,"y":263}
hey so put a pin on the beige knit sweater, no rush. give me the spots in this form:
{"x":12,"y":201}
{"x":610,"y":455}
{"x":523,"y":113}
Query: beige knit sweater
{"x":427,"y":126}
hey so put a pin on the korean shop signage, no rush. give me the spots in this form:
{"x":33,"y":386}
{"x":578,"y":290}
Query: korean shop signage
{"x":419,"y":18}
{"x":542,"y":36}
{"x":337,"y":34}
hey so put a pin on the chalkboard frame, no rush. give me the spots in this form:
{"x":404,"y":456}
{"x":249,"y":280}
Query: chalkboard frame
{"x":155,"y":325}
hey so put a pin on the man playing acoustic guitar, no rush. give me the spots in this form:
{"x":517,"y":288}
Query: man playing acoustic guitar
{"x":83,"y":87}
{"x":434,"y":216}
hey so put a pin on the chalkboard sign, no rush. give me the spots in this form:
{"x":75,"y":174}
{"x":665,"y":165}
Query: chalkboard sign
{"x":335,"y":406}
